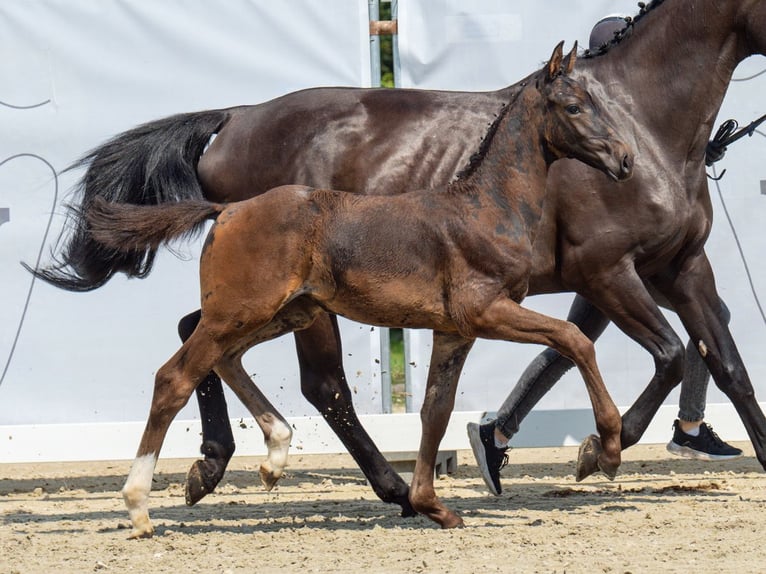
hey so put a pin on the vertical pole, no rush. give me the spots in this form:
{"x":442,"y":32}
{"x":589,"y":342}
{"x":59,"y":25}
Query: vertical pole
{"x":374,"y":8}
{"x":385,"y":371}
{"x":395,"y":44}
{"x":385,"y":341}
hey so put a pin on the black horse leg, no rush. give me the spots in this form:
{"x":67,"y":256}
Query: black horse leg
{"x":546,"y":369}
{"x":698,"y":305}
{"x":323,"y":383}
{"x":626,"y":301}
{"x":217,"y":438}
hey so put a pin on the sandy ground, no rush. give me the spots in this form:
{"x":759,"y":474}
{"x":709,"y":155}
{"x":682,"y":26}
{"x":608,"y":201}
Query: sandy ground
{"x":661,"y":514}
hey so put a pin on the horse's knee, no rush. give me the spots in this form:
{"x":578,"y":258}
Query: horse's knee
{"x":187,"y":325}
{"x":734,"y":381}
{"x":669,"y":364}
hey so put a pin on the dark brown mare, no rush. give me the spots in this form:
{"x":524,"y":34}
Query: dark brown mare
{"x":669,"y":73}
{"x":459,"y":264}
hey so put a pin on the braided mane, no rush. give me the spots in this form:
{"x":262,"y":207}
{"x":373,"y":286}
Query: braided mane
{"x":475,"y":160}
{"x":643,"y":10}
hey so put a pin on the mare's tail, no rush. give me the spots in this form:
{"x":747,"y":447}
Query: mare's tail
{"x":150,"y":165}
{"x":129,"y":228}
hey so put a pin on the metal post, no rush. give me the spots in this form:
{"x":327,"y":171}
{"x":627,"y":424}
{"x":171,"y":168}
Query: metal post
{"x":385,"y":371}
{"x":374,"y":8}
{"x":395,"y":43}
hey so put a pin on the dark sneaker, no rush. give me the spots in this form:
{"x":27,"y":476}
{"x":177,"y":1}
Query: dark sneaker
{"x":489,"y":458}
{"x":706,"y":446}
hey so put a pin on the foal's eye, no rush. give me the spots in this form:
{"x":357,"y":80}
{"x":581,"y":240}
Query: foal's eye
{"x":573,"y":109}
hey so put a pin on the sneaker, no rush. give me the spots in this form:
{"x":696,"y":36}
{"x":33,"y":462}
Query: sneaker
{"x":489,"y":458}
{"x":706,"y":446}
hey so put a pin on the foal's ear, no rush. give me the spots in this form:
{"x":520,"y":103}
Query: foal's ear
{"x":570,"y":60}
{"x":554,"y":64}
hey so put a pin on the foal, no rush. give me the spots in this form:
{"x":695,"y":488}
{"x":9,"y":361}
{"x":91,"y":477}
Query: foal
{"x":459,"y":264}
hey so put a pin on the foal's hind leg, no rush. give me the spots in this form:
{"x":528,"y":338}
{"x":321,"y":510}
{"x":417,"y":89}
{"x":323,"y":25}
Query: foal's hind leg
{"x":276,"y":430}
{"x":173,"y":386}
{"x":447,"y":359}
{"x":217,"y":438}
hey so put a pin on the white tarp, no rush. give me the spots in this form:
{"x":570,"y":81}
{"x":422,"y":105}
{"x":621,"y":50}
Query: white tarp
{"x":100,"y":68}
{"x":488,"y":44}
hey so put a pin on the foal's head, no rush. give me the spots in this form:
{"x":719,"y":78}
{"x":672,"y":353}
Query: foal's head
{"x":575,"y":125}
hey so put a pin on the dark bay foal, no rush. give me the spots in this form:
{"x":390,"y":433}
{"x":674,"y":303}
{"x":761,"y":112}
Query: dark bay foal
{"x":459,"y":264}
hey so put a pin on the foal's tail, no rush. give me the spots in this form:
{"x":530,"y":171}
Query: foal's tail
{"x":126,"y":228}
{"x":150,"y":165}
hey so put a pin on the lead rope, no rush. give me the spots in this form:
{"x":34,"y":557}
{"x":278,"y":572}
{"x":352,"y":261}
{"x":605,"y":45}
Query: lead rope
{"x":726,"y":135}
{"x":716,"y":148}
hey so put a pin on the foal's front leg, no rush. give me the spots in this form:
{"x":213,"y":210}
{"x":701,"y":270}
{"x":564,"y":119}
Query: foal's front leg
{"x":447,"y":360}
{"x":506,"y":319}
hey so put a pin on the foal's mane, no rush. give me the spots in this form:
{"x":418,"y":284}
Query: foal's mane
{"x":619,"y":36}
{"x":476,"y":158}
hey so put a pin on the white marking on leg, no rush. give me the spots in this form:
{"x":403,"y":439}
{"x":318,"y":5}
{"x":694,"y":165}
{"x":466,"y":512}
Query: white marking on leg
{"x":702,"y":348}
{"x":136,"y":491}
{"x":278,"y":443}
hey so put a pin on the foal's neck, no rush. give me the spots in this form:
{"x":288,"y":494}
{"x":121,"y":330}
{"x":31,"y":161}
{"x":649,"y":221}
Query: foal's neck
{"x":515,"y":160}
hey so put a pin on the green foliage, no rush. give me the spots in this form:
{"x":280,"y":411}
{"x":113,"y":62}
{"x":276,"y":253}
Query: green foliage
{"x":386,"y":50}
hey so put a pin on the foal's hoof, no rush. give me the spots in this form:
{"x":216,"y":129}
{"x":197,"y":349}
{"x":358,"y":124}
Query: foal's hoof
{"x":452,"y":521}
{"x":200,"y":481}
{"x":591,"y":458}
{"x":142,"y":527}
{"x":587,"y":457}
{"x":269,"y":478}
{"x":137,"y":534}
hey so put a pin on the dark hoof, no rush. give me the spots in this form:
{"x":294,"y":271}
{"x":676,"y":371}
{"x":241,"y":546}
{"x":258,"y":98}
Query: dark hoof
{"x":587,"y":457}
{"x":204,"y":475}
{"x":407,"y":510}
{"x":199,"y":482}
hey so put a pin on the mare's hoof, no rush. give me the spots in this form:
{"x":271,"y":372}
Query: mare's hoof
{"x":204,"y":475}
{"x":200,"y":481}
{"x":407,"y":510}
{"x":587,"y":457}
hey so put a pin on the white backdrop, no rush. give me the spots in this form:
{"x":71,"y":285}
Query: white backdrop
{"x":440,"y":44}
{"x":99,"y":68}
{"x":85,"y":362}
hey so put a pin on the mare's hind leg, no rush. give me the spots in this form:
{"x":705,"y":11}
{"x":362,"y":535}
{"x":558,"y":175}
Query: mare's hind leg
{"x":217,"y":438}
{"x":276,"y":430}
{"x":173,"y":386}
{"x":323,"y":383}
{"x":505,"y":319}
